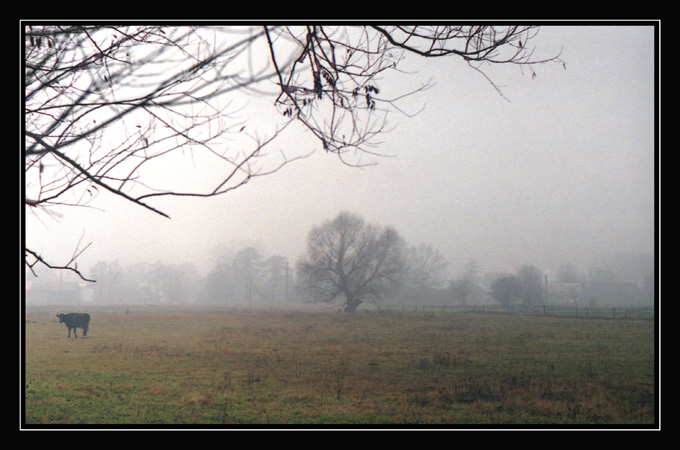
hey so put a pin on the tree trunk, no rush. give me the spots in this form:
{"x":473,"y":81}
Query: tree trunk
{"x":352,"y":305}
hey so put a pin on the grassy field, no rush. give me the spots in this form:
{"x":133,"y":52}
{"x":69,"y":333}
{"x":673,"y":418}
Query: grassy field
{"x":325,"y":369}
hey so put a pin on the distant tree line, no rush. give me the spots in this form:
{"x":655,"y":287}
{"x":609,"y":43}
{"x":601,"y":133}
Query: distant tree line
{"x":349,"y":262}
{"x":247,"y":277}
{"x":250,"y":277}
{"x":144,"y":283}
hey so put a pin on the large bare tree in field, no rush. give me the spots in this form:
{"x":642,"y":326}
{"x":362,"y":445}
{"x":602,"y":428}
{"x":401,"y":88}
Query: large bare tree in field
{"x":351,"y":261}
{"x":107,"y":106}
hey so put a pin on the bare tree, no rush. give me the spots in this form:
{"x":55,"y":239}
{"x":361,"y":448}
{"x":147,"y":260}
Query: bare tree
{"x":465,"y":286}
{"x":351,"y":260}
{"x":532,"y":285}
{"x":426,"y":267}
{"x":107,"y":107}
{"x":507,"y":290}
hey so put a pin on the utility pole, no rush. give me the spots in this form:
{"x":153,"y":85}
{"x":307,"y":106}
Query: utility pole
{"x":285,"y":298}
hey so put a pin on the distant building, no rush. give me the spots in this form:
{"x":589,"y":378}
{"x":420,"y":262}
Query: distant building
{"x":565,"y":294}
{"x":614,"y":293}
{"x":593,"y":294}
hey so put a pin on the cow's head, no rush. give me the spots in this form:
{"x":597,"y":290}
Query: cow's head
{"x":61,"y":317}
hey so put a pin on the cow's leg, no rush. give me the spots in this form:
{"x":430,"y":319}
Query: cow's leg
{"x":75,"y":332}
{"x":69,"y":331}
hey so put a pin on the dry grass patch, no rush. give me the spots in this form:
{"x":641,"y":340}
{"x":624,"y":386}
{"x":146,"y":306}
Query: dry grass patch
{"x":365,"y":368}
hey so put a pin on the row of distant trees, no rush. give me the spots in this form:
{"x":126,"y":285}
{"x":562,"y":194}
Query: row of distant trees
{"x":142,"y":283}
{"x":351,"y":261}
{"x":247,"y":277}
{"x":348,"y":261}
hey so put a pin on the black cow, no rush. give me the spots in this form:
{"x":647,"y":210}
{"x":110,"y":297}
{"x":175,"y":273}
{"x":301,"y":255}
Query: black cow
{"x":74,"y":320}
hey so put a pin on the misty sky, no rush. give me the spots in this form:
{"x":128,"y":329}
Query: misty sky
{"x":560,"y":172}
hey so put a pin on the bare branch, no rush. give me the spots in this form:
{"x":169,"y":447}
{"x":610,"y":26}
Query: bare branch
{"x":106,"y":106}
{"x":67,"y":266}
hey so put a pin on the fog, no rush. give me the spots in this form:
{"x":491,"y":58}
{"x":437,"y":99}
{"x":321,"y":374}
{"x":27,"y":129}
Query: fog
{"x":558,"y":170}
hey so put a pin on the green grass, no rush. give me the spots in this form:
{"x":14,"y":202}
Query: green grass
{"x":237,"y":368}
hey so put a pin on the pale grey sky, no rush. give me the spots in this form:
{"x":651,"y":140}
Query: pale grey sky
{"x":561,"y":173}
